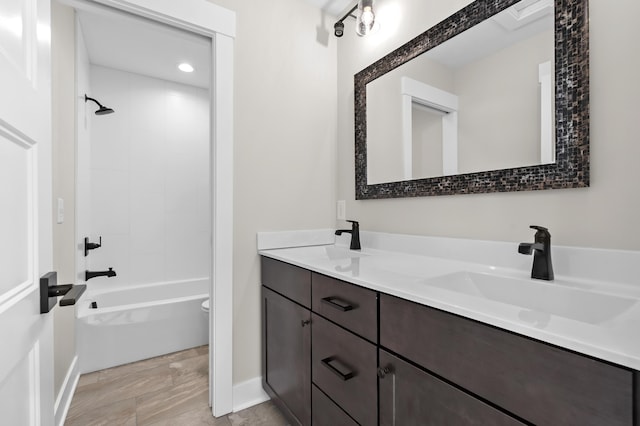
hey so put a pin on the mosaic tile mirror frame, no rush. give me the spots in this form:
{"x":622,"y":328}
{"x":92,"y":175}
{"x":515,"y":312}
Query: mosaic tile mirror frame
{"x":571,"y":76}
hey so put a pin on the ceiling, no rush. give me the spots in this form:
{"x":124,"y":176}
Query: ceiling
{"x":332,"y":7}
{"x":519,"y":22}
{"x":137,"y":45}
{"x":124,"y":42}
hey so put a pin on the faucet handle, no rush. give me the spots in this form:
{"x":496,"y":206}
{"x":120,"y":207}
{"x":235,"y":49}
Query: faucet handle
{"x":539,"y":228}
{"x":542,"y":234}
{"x":354,"y":223}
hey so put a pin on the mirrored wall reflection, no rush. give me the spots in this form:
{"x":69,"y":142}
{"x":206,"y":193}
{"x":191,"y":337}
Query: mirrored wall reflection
{"x":481,"y":101}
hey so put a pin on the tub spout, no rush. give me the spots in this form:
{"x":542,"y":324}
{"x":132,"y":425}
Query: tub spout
{"x":92,"y":274}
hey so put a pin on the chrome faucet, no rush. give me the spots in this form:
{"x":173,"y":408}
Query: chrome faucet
{"x":541,"y":249}
{"x":355,"y":234}
{"x":92,"y":274}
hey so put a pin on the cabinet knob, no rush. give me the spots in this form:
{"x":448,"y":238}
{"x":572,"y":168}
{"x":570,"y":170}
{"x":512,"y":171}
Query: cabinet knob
{"x":306,"y":322}
{"x":383,"y":371}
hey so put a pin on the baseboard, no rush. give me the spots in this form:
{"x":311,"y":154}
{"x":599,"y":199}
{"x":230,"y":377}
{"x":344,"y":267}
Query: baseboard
{"x":248,"y":393}
{"x":63,"y":401}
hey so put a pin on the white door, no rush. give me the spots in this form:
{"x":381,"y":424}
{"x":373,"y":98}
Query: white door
{"x":26,"y":342}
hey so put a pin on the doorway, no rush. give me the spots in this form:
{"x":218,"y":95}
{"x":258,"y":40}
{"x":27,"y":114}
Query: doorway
{"x":217,"y":25}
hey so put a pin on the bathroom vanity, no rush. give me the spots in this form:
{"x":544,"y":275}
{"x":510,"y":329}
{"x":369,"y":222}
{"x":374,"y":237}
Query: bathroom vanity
{"x":361,"y":338}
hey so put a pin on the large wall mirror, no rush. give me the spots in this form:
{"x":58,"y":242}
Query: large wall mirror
{"x":494,"y":98}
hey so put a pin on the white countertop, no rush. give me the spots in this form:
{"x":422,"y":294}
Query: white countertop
{"x":600,"y":319}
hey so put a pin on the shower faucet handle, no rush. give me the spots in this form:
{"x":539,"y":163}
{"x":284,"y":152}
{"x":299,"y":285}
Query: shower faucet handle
{"x":91,"y":246}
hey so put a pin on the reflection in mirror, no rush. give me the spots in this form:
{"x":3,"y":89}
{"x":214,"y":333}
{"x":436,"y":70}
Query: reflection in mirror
{"x":494,"y":98}
{"x":482,"y":100}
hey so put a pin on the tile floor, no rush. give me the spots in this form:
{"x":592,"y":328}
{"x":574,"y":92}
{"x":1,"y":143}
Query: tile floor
{"x":168,"y":390}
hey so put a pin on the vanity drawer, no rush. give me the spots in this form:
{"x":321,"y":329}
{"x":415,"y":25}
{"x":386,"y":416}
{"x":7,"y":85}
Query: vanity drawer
{"x":344,"y":366}
{"x":326,"y":412}
{"x":290,"y":281}
{"x":410,"y":396}
{"x":538,"y":382}
{"x":353,"y":307}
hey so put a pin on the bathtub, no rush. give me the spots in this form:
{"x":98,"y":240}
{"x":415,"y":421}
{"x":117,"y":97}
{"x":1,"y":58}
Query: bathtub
{"x":140,"y":322}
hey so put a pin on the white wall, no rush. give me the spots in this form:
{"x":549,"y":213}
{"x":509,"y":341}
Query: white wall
{"x":604,"y":215}
{"x":284,"y":144}
{"x":149,"y":179}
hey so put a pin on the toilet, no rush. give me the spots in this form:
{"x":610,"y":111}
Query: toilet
{"x":205,"y":306}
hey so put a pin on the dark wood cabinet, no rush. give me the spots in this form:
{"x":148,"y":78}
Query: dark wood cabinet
{"x":337,"y":353}
{"x":289,"y":280}
{"x":286,"y":356}
{"x":540,"y":383}
{"x":327,"y":412}
{"x":344,"y":366}
{"x":411,"y":396}
{"x":286,"y":338}
{"x":352,"y":307}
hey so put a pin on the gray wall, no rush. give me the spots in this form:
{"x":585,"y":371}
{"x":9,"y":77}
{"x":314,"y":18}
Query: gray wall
{"x":284,"y":144}
{"x":604,"y":215}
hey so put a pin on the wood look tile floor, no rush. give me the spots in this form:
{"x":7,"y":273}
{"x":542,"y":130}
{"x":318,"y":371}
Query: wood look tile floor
{"x":163,"y":391}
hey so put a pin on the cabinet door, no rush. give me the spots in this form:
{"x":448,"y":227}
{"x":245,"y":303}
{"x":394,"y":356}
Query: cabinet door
{"x":287,"y":355}
{"x":540,"y":383}
{"x":410,"y":396}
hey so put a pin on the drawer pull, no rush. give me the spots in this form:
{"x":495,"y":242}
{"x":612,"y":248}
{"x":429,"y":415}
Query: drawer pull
{"x":338,"y":304}
{"x":338,"y":368}
{"x":305,"y":322}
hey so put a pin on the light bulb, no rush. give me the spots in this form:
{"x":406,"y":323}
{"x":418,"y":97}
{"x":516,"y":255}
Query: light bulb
{"x":366,"y":19}
{"x":184,"y":67}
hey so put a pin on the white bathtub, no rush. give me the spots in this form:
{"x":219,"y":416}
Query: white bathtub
{"x":140,"y":322}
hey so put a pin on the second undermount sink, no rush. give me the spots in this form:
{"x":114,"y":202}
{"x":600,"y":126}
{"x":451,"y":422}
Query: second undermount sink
{"x":540,"y":297}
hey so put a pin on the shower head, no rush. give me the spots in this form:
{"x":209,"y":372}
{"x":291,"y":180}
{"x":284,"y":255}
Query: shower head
{"x":103,"y":110}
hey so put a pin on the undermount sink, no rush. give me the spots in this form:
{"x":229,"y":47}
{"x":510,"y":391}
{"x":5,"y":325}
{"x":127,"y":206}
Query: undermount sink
{"x":539,"y":297}
{"x":337,"y":253}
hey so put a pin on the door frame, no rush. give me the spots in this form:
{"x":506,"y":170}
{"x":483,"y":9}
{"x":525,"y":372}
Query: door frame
{"x":218,"y":24}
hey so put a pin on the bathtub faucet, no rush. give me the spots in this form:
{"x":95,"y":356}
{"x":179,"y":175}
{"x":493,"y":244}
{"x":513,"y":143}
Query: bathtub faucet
{"x":92,"y":274}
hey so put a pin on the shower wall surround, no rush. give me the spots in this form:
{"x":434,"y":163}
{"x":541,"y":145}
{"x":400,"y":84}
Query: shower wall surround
{"x":149,"y":179}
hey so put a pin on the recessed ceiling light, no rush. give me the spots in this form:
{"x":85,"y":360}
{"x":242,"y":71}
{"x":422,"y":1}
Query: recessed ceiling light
{"x":184,"y":67}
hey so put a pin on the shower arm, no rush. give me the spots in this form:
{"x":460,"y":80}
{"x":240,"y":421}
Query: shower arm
{"x":87,"y":98}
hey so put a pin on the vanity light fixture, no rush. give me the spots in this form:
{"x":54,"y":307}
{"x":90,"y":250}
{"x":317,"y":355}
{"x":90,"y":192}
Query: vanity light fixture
{"x":365,"y":19}
{"x":185,"y":67}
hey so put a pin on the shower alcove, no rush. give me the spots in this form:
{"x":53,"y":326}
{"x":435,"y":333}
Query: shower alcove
{"x":154,"y":178}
